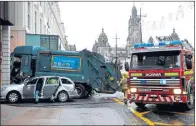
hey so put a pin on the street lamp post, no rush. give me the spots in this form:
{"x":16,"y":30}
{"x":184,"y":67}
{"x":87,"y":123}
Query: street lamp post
{"x":116,"y":55}
{"x":140,"y":16}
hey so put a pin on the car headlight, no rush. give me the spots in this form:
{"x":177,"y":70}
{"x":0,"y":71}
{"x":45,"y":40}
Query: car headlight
{"x":177,"y":91}
{"x":133,"y":90}
{"x":3,"y":89}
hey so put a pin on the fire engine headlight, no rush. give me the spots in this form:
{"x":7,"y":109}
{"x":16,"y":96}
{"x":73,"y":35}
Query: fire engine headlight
{"x":177,"y":91}
{"x":128,"y":91}
{"x":133,"y":90}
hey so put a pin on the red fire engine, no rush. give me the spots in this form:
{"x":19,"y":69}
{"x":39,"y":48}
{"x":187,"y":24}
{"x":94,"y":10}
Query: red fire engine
{"x":161,"y":73}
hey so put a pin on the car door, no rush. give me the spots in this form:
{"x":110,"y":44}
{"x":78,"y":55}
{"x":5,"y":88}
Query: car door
{"x":50,"y":86}
{"x":68,"y":84}
{"x":28,"y":89}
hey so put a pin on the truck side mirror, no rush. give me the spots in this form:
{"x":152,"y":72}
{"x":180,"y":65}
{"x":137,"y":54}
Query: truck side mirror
{"x":127,"y":66}
{"x":189,"y":63}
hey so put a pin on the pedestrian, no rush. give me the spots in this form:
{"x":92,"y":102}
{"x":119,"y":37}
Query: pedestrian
{"x":124,"y":86}
{"x":38,"y":89}
{"x":54,"y":81}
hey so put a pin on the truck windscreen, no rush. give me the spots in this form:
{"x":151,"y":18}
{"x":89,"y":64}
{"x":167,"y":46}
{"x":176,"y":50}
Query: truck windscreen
{"x":160,"y":59}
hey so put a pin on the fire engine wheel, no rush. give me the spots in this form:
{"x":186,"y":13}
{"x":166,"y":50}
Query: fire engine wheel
{"x":191,"y":100}
{"x":140,"y":105}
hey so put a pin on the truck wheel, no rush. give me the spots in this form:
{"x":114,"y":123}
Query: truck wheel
{"x":62,"y":96}
{"x":88,"y":92}
{"x":191,"y":101}
{"x":140,"y":105}
{"x":13,"y":97}
{"x":81,"y":90}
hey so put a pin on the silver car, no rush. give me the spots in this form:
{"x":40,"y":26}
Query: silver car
{"x":15,"y":92}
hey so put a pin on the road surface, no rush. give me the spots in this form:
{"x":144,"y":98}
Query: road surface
{"x":97,"y":110}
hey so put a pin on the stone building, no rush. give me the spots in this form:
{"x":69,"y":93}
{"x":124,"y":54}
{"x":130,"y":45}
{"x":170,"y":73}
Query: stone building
{"x":72,"y":47}
{"x":6,"y":21}
{"x":102,"y":41}
{"x":150,"y":40}
{"x":102,"y":46}
{"x":134,"y":32}
{"x":37,"y":18}
{"x":173,"y":36}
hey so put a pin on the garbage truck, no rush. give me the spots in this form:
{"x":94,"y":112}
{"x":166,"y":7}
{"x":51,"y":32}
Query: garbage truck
{"x":87,"y":69}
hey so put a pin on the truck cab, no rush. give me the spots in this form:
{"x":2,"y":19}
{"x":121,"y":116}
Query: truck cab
{"x":23,"y":60}
{"x":161,"y":74}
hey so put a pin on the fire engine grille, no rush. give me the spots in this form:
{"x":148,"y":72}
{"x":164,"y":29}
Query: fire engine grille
{"x":155,"y":81}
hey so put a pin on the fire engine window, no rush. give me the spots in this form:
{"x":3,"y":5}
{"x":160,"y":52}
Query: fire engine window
{"x":160,"y":59}
{"x":177,"y":61}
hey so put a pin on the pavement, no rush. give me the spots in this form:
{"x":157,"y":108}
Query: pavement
{"x":100,"y":109}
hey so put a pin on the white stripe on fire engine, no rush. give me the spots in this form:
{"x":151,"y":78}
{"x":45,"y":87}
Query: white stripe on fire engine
{"x":136,"y":96}
{"x":167,"y":99}
{"x":140,"y":98}
{"x":161,"y":98}
{"x":172,"y":97}
{"x":145,"y":97}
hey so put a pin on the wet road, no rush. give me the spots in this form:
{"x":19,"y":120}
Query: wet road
{"x":163,"y":115}
{"x":97,"y":110}
{"x":93,"y":111}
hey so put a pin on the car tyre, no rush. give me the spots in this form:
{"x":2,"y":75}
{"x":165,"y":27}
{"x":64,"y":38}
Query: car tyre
{"x":62,"y":96}
{"x":13,"y":97}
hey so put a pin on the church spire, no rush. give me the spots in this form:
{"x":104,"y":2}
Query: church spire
{"x":134,"y":11}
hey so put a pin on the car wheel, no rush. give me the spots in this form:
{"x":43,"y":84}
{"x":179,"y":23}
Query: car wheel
{"x":140,"y":105}
{"x":13,"y":97}
{"x":63,"y":96}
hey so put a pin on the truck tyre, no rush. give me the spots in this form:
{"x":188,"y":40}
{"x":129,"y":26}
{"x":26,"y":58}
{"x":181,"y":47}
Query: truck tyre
{"x":191,"y":101}
{"x":13,"y":97}
{"x":140,"y":105}
{"x":62,"y":96}
{"x":88,"y":92}
{"x":81,"y":90}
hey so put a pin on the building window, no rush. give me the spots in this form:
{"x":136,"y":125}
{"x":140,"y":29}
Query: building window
{"x":29,"y":8}
{"x":40,"y":26}
{"x":35,"y":22}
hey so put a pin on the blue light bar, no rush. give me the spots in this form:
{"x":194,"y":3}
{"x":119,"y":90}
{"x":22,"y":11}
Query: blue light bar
{"x":162,"y":43}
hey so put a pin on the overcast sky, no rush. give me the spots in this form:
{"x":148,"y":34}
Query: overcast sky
{"x":84,"y":20}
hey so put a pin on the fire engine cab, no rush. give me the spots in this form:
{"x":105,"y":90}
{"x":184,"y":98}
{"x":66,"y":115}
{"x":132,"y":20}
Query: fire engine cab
{"x":161,"y":73}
